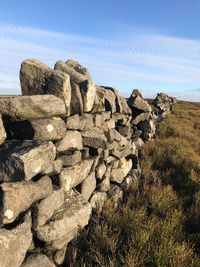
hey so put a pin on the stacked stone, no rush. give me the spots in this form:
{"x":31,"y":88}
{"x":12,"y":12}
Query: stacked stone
{"x":163,"y":104}
{"x":66,"y":146}
{"x":143,"y":118}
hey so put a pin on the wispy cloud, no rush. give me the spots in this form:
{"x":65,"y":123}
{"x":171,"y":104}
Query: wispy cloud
{"x":125,"y":60}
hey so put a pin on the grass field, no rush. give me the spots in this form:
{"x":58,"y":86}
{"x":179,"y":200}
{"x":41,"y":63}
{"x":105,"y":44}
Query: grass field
{"x":159,"y":222}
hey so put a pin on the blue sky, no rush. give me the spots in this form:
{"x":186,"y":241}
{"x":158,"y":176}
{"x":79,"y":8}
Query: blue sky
{"x":151,"y":45}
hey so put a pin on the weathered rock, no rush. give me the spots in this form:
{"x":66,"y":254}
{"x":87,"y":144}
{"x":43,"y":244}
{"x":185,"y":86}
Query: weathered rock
{"x":37,"y":260}
{"x":88,"y":186}
{"x":100,"y":170}
{"x":113,"y":135}
{"x":117,"y":99}
{"x":141,"y":117}
{"x":32,"y":107}
{"x":33,"y":77}
{"x":14,"y":243}
{"x":23,"y":160}
{"x":76,"y":99}
{"x":99,"y":101}
{"x":124,"y":105}
{"x":117,"y":175}
{"x":136,"y":101}
{"x":2,"y":131}
{"x":88,"y":92}
{"x":109,"y":124}
{"x":38,"y":79}
{"x":62,"y":242}
{"x":73,"y":214}
{"x":138,"y":143}
{"x":36,"y":129}
{"x":94,"y":138}
{"x":148,"y":126}
{"x":72,"y":176}
{"x":86,"y":84}
{"x":76,"y":122}
{"x":97,"y":200}
{"x":59,"y":85}
{"x":115,"y":194}
{"x":59,"y":255}
{"x":18,"y":197}
{"x":75,"y":76}
{"x":54,"y":168}
{"x":78,"y":67}
{"x":126,"y":131}
{"x":46,"y":207}
{"x":121,"y":119}
{"x":164,"y":104}
{"x":71,"y":158}
{"x":72,"y":139}
{"x":104,"y":186}
{"x":110,"y":103}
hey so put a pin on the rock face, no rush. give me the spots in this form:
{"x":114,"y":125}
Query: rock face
{"x":15,"y":243}
{"x":24,"y":160}
{"x":32,"y":107}
{"x":66,"y":147}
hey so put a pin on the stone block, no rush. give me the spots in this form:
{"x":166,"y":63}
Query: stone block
{"x":18,"y":197}
{"x":24,"y":160}
{"x":32,"y":107}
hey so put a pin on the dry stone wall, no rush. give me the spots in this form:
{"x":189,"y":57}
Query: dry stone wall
{"x":66,"y":146}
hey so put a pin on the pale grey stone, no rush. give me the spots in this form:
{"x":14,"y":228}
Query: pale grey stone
{"x":32,"y":107}
{"x":104,"y":186}
{"x":33,"y":77}
{"x":72,"y":176}
{"x":72,"y":139}
{"x":136,"y":101}
{"x":19,"y":196}
{"x":23,"y":160}
{"x":46,"y":207}
{"x":117,"y":175}
{"x":59,"y":255}
{"x":74,"y":214}
{"x":88,"y":186}
{"x":59,"y":85}
{"x":100,"y":170}
{"x":97,"y":200}
{"x":94,"y":138}
{"x":14,"y":243}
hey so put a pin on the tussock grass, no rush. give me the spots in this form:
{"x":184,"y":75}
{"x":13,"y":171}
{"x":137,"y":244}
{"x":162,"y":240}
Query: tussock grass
{"x":159,"y":223}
